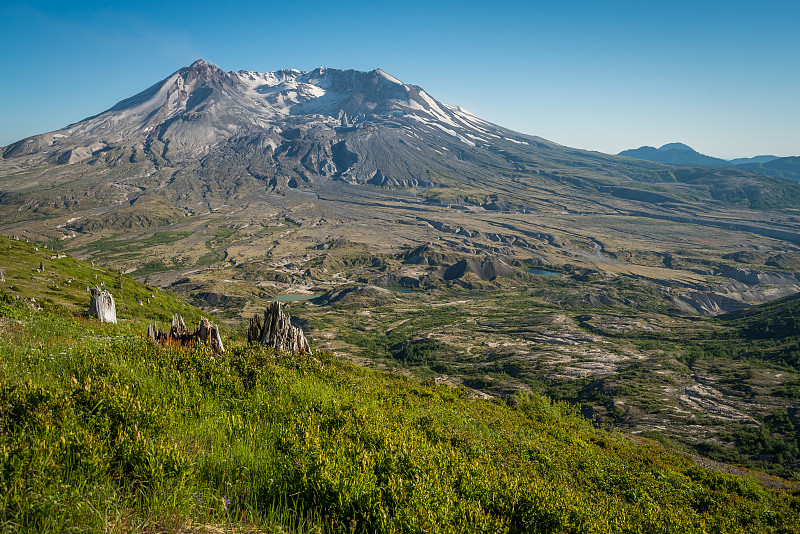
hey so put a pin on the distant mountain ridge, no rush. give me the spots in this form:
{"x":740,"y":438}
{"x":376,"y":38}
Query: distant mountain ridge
{"x":787,"y":168}
{"x":682,"y":154}
{"x":672,"y":153}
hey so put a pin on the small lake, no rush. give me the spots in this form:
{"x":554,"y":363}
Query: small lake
{"x":542,"y":272}
{"x":293,"y":298}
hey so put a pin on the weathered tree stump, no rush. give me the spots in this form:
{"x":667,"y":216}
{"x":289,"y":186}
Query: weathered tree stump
{"x":276,"y":331}
{"x":209,"y":333}
{"x":154,"y":334}
{"x":178,"y":334}
{"x":178,"y":327}
{"x":102,"y":306}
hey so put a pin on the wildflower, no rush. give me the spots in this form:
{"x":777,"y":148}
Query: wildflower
{"x":225,"y":502}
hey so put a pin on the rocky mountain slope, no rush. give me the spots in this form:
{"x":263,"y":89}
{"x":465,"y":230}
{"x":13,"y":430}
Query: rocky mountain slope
{"x":288,"y":126}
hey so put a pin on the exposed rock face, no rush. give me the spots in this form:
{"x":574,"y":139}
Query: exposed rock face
{"x":754,"y":278}
{"x":276,"y":331}
{"x":708,"y":303}
{"x":365,"y":294}
{"x":178,"y":334}
{"x":102,"y":306}
{"x":485,"y":270}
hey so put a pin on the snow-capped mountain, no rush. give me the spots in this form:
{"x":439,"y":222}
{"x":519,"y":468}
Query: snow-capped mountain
{"x":203,"y":133}
{"x":289,"y":125}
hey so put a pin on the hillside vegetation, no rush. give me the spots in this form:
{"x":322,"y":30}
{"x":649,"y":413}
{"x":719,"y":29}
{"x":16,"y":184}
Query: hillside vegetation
{"x":104,"y":431}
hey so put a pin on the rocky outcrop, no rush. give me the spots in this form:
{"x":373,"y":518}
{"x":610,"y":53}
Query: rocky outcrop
{"x":397,"y":279}
{"x":707,"y":303}
{"x":488,"y":269}
{"x":362,"y":294}
{"x":102,"y":306}
{"x":275,"y":330}
{"x":426,"y":255}
{"x":769,"y":277}
{"x":178,"y":334}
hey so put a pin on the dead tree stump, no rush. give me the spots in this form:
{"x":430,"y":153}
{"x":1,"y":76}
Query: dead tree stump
{"x":178,"y":334}
{"x":276,"y":330}
{"x":209,"y":333}
{"x":102,"y":306}
{"x":178,"y":328}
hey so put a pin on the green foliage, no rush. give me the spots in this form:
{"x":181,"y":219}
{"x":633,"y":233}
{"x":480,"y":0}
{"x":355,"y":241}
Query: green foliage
{"x":63,"y":282}
{"x":151,"y":267}
{"x":416,"y":351}
{"x":119,"y":244}
{"x":776,"y":320}
{"x":778,"y":438}
{"x":103,"y":429}
{"x":10,"y":307}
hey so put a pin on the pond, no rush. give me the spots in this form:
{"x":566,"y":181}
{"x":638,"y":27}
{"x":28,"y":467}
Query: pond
{"x":294,"y":298}
{"x":403,"y":289}
{"x":542,"y":272}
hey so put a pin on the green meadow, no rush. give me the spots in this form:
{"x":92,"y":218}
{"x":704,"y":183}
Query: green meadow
{"x":103,"y":431}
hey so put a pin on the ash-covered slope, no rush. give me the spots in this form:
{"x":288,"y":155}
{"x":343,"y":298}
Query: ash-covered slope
{"x":299,"y":126}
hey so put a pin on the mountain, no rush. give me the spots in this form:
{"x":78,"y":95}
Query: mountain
{"x":286,"y":126}
{"x":672,"y":153}
{"x":204,"y":136}
{"x":681,"y":154}
{"x":677,"y":146}
{"x":786,"y":168}
{"x":754,"y":159}
{"x":204,"y":155}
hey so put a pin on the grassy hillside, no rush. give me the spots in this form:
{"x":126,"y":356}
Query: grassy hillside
{"x":104,"y":431}
{"x":45,"y":277}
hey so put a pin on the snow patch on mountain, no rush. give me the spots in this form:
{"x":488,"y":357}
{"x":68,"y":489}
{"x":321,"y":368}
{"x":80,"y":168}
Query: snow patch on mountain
{"x":283,"y":115}
{"x":389,"y":77}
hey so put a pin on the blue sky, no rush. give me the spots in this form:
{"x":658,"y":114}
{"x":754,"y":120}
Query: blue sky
{"x":723,"y":77}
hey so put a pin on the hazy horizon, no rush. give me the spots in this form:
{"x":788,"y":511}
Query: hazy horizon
{"x":717,"y":77}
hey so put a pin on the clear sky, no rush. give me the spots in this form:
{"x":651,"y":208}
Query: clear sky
{"x":720,"y":76}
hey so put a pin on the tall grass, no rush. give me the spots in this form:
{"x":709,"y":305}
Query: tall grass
{"x":100,"y":430}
